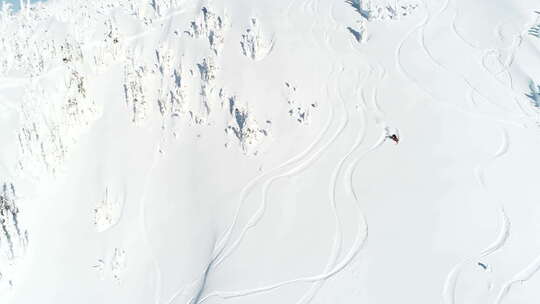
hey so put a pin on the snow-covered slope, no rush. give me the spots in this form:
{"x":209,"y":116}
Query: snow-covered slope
{"x":270,"y":151}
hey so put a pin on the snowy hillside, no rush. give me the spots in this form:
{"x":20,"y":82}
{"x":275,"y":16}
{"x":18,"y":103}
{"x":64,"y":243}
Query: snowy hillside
{"x":270,"y":151}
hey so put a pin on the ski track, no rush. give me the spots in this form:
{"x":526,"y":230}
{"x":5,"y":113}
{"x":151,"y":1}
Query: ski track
{"x":224,"y":240}
{"x":452,"y":277}
{"x":256,"y":217}
{"x":379,"y":113}
{"x":246,"y":190}
{"x":338,"y":241}
{"x":357,"y":246}
{"x":397,"y":57}
{"x":480,"y":169}
{"x":409,"y":77}
{"x":258,"y":214}
{"x":484,"y":66}
{"x":314,"y":21}
{"x":456,"y":31}
{"x":338,"y":235}
{"x":328,"y":272}
{"x":222,"y":243}
{"x":359,"y":240}
{"x":449,"y":290}
{"x":514,"y":47}
{"x":348,"y":176}
{"x":142,"y":223}
{"x":443,"y":67}
{"x":260,"y":211}
{"x":521,"y":277}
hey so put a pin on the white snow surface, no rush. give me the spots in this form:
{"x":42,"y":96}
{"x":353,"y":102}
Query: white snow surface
{"x":270,"y":151}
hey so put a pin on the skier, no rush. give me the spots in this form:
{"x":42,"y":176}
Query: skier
{"x":393,"y":137}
